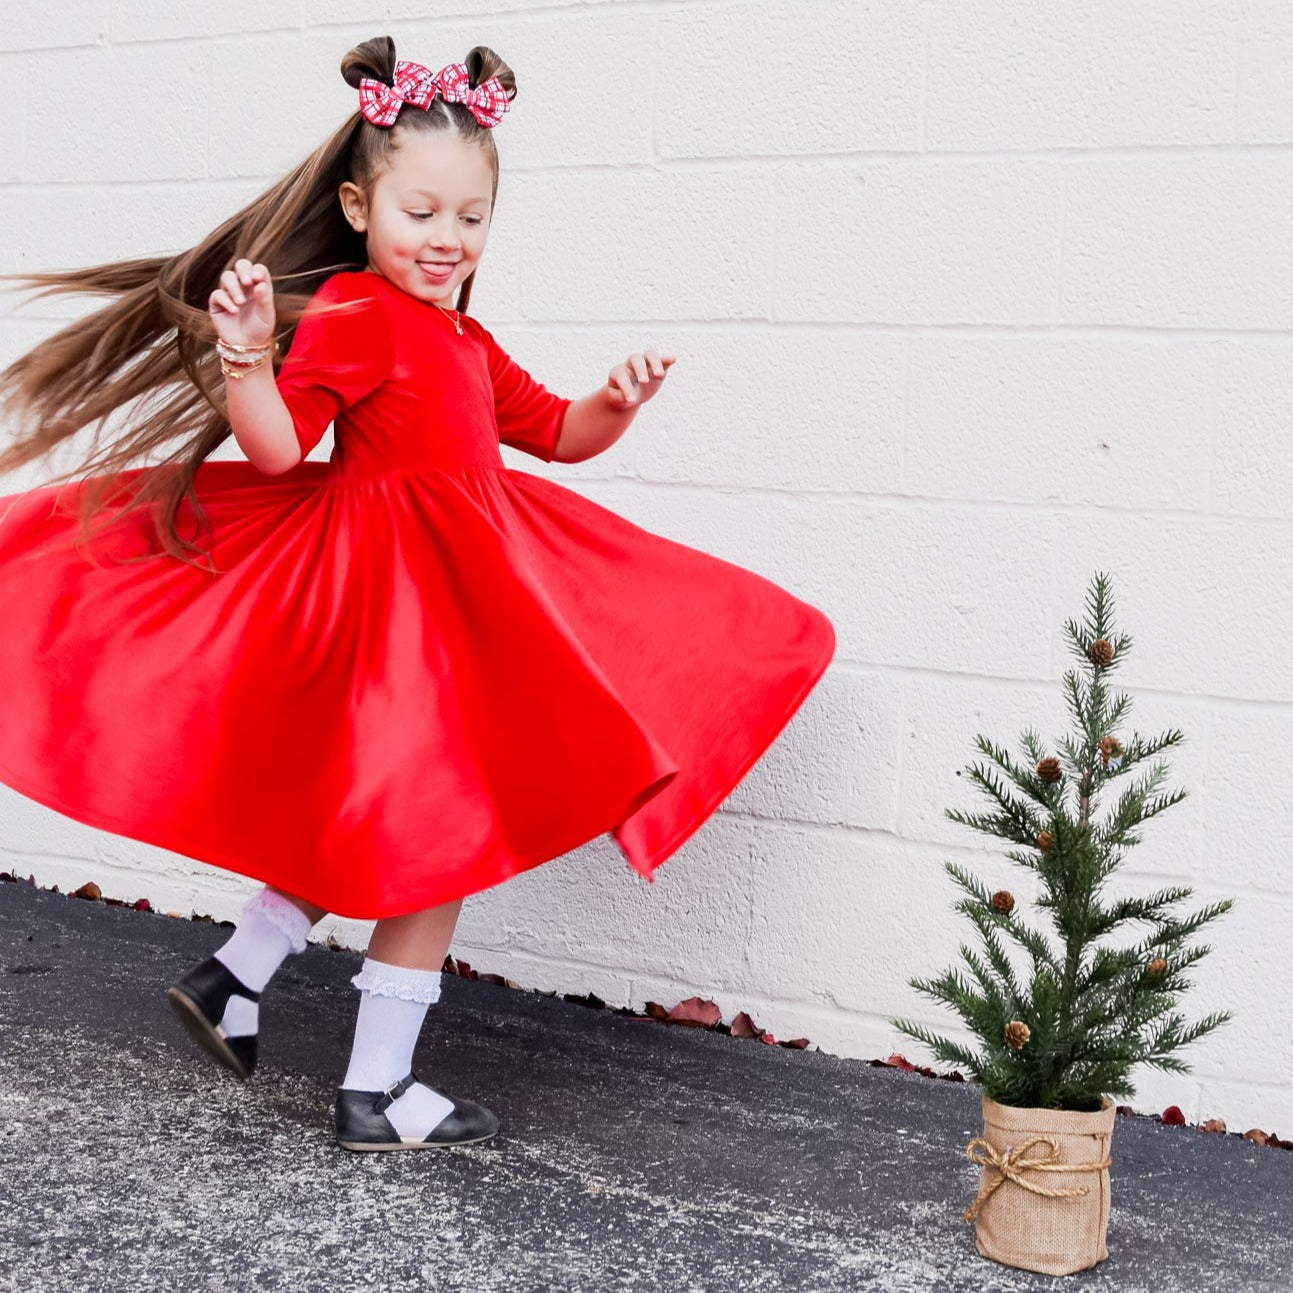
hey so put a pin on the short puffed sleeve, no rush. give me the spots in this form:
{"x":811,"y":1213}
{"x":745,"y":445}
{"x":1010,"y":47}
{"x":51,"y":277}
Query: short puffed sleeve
{"x":338,"y":356}
{"x":529,"y":416}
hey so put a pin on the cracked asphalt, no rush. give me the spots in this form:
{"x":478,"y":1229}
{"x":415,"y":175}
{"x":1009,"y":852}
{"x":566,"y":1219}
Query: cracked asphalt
{"x":632,"y":1155}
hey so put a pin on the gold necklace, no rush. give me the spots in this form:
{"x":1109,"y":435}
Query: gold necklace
{"x":457,"y":322}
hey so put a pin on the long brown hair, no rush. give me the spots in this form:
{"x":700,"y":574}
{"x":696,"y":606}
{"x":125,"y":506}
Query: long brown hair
{"x":154,"y":342}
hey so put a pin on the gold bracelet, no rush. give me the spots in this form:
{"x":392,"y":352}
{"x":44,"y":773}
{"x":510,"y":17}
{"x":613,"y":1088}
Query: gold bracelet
{"x":239,"y":371}
{"x":271,"y":344}
{"x":243,"y":353}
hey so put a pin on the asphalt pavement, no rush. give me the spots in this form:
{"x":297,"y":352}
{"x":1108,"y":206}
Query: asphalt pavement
{"x":633,"y":1155}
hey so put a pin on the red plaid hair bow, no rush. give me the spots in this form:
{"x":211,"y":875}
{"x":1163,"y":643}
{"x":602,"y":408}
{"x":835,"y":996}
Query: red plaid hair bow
{"x":488,"y":101}
{"x":381,"y":103}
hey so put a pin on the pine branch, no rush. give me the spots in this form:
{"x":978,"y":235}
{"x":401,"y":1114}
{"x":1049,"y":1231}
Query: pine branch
{"x":944,"y":1049}
{"x":985,"y":920}
{"x":950,"y":990}
{"x":1024,"y":779}
{"x":1147,"y":908}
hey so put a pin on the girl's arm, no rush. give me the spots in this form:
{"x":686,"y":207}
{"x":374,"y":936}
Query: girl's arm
{"x":591,"y":425}
{"x":594,"y":423}
{"x":242,"y":310}
{"x":261,"y":422}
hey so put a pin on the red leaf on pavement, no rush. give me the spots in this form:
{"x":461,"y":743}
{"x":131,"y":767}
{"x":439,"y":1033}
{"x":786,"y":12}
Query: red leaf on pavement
{"x":898,"y":1062}
{"x":1172,"y":1117}
{"x":656,"y":1010}
{"x":88,"y":890}
{"x":744,"y":1026}
{"x":695,"y":1012}
{"x":143,"y":905}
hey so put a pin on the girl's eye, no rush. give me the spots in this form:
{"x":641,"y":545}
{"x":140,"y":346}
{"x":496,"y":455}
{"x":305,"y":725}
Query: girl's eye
{"x":426,"y":215}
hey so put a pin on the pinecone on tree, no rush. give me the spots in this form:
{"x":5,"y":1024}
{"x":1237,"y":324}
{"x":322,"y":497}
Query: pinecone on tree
{"x":1017,"y":1034}
{"x":1046,"y":841}
{"x":1049,"y":768}
{"x":1003,"y":902}
{"x":1101,"y":652}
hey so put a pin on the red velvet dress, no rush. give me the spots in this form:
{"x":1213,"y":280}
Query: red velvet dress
{"x":419,"y":672}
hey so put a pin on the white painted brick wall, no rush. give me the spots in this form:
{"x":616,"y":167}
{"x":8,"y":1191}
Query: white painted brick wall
{"x":970,"y":300}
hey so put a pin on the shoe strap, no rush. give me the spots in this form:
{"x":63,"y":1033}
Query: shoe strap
{"x":229,"y":980}
{"x":393,"y":1093}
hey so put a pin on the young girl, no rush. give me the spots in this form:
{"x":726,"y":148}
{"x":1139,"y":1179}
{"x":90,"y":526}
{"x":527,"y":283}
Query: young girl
{"x":400,"y":676}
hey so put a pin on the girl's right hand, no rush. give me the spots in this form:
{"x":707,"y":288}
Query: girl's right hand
{"x":242,"y":307}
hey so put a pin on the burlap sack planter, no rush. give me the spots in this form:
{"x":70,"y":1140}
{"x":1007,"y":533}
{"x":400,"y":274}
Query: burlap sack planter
{"x":1043,"y":1200}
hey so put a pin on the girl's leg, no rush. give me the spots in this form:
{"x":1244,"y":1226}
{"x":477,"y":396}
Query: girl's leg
{"x":419,"y":941}
{"x":399,"y":980}
{"x":315,"y":914}
{"x":273,"y":925}
{"x":218,"y":1001}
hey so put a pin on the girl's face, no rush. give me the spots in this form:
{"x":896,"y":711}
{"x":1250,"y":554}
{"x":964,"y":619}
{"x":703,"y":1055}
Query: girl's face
{"x":427,"y":217}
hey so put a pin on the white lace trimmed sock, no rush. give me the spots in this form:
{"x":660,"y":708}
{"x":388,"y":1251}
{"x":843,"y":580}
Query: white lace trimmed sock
{"x":270,"y":930}
{"x":392,"y":1006}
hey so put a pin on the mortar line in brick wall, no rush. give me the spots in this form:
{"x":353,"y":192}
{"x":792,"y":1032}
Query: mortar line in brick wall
{"x":935,"y":848}
{"x":970,"y":853}
{"x":1236,"y":704}
{"x":950,"y":156}
{"x":395,"y":26}
{"x":187,"y":40}
{"x":847,"y":327}
{"x":815,"y":162}
{"x":699,"y":327}
{"x":970,"y":331}
{"x":524,"y":326}
{"x":929,"y":502}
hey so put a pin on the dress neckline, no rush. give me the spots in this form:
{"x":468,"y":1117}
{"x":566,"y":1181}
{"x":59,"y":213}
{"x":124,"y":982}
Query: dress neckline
{"x":408,"y":296}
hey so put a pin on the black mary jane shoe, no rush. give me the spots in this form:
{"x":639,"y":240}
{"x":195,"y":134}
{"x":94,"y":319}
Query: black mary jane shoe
{"x":362,"y":1123}
{"x":199,"y":1000}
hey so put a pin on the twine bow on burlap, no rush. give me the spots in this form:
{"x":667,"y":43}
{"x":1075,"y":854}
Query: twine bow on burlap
{"x":1012,"y":1165}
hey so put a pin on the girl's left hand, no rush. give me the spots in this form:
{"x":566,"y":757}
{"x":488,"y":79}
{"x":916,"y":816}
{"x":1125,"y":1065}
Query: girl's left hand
{"x":637,"y":379}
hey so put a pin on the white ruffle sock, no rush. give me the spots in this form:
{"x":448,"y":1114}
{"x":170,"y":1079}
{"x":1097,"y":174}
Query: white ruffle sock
{"x":270,"y":930}
{"x":392,"y":1005}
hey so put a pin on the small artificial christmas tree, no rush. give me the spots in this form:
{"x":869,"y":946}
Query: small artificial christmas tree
{"x":1088,"y":1013}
